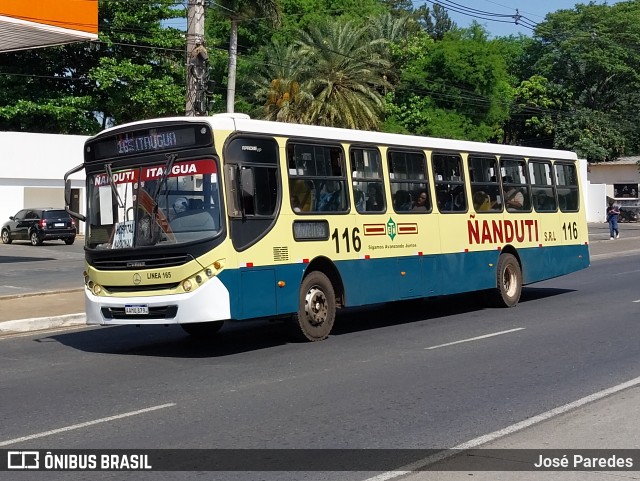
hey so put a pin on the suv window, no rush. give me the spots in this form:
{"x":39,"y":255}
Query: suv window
{"x":32,"y":214}
{"x":55,"y":214}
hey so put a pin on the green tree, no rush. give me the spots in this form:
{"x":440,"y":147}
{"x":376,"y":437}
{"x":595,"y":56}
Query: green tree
{"x":435,"y":22}
{"x":345,"y":77}
{"x":457,"y":87}
{"x":593,"y":135}
{"x":135,"y":71}
{"x":593,"y":53}
{"x":279,"y":82}
{"x":534,"y":111}
{"x":236,"y":11}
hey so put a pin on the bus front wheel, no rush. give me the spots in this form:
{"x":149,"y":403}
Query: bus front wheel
{"x":202,"y":330}
{"x":508,"y":282}
{"x":317,"y":308}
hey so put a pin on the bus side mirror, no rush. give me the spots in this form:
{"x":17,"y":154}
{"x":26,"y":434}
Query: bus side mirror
{"x":67,"y":194}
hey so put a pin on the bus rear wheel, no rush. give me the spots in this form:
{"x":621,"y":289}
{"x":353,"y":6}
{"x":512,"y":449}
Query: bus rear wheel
{"x":508,"y":282}
{"x":317,"y":308}
{"x":202,"y":330}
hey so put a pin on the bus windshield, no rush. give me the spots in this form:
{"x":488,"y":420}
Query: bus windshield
{"x":142,"y":207}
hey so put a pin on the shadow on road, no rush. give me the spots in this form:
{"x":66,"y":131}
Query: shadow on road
{"x":239,"y":337}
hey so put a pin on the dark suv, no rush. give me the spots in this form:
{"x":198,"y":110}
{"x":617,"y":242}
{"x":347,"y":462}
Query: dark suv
{"x":38,"y":225}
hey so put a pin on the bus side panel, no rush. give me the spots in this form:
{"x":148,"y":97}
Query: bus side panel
{"x":539,"y":264}
{"x":467,"y":271}
{"x":231,"y":279}
{"x":255,"y":291}
{"x":369,"y":281}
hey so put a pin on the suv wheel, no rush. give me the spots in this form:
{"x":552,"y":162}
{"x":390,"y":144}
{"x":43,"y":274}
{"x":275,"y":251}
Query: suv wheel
{"x":35,"y":239}
{"x":69,"y":241}
{"x":6,"y":237}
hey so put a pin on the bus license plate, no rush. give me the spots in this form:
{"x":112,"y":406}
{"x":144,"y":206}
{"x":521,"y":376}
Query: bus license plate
{"x":136,"y":310}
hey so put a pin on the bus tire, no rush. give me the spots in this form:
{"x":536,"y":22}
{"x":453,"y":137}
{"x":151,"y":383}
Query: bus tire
{"x":508,"y":282}
{"x":202,"y":330}
{"x":316,"y":308}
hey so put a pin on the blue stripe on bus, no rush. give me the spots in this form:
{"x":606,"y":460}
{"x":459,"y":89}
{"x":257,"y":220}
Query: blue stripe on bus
{"x":255,"y":293}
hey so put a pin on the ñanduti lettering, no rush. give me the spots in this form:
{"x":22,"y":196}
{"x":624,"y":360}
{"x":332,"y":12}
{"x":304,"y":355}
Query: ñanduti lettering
{"x":502,"y":231}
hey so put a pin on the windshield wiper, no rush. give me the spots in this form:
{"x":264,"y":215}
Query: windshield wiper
{"x":114,"y":189}
{"x":153,"y":220}
{"x":163,"y":178}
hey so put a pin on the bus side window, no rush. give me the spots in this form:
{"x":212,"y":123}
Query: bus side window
{"x":515,"y":185}
{"x":542,"y":183}
{"x":485,"y":189}
{"x":568,"y":190}
{"x":408,"y":182}
{"x":447,"y":170}
{"x":366,"y":178}
{"x":317,"y":180}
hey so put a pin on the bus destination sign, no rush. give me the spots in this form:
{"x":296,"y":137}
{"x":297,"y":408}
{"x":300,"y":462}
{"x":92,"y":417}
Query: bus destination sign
{"x":150,"y":140}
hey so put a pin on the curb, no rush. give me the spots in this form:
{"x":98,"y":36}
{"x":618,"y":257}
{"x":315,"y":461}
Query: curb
{"x":40,"y":293}
{"x":42,"y":323}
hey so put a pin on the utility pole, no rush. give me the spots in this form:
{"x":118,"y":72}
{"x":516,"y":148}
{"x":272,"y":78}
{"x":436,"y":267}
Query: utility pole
{"x":197,"y":59}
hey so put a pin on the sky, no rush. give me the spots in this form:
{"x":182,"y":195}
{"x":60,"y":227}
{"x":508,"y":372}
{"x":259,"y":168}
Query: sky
{"x":533,"y":11}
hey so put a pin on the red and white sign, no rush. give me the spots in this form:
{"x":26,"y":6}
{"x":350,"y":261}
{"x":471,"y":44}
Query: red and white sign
{"x":120,"y":177}
{"x":194,"y":167}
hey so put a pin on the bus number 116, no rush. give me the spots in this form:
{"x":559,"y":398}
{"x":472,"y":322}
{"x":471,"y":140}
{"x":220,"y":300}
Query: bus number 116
{"x":355,"y":239}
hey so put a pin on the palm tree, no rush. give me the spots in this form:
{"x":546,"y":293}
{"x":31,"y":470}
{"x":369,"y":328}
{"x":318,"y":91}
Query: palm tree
{"x":279,"y":83}
{"x":347,"y":77}
{"x":238,"y":10}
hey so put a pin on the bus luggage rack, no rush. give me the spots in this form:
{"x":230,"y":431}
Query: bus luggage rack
{"x":137,"y":263}
{"x":160,"y":312}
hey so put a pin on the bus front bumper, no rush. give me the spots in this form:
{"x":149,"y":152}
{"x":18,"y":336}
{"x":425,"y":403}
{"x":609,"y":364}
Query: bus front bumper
{"x":209,"y":302}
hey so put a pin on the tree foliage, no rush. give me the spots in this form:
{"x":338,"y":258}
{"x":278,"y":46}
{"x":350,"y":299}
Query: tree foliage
{"x":369,"y":64}
{"x":135,"y":71}
{"x":593,"y":53}
{"x":459,"y":84}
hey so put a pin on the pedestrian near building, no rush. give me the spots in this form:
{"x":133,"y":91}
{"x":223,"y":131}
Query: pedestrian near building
{"x":613,"y":212}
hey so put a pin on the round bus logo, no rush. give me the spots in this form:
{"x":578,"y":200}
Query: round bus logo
{"x":137,"y":279}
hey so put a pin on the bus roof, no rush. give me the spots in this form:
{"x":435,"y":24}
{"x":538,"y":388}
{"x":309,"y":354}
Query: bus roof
{"x":243,"y":123}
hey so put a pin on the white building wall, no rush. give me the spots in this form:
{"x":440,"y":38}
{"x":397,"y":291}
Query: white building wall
{"x":33,"y":167}
{"x":614,"y":173}
{"x":596,"y":202}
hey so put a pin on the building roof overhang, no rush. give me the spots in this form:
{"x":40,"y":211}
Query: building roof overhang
{"x":45,"y":23}
{"x":16,"y":34}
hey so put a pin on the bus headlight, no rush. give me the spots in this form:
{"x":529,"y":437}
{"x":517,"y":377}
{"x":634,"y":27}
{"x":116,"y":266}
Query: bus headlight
{"x":97,"y":289}
{"x":186,"y":285}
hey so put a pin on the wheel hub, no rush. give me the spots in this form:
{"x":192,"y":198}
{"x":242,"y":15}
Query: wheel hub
{"x":510,"y":284}
{"x":316,"y":306}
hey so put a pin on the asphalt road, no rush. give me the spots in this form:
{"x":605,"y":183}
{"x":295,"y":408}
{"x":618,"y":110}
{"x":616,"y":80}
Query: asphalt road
{"x":52,"y":266}
{"x":396,"y":376}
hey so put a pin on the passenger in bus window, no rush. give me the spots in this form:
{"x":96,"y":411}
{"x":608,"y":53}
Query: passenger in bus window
{"x":513,"y":197}
{"x":302,"y":190}
{"x":329,"y":196}
{"x":295,"y":204}
{"x":481,"y":201}
{"x":374,"y":199}
{"x":421,"y":202}
{"x":402,"y":201}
